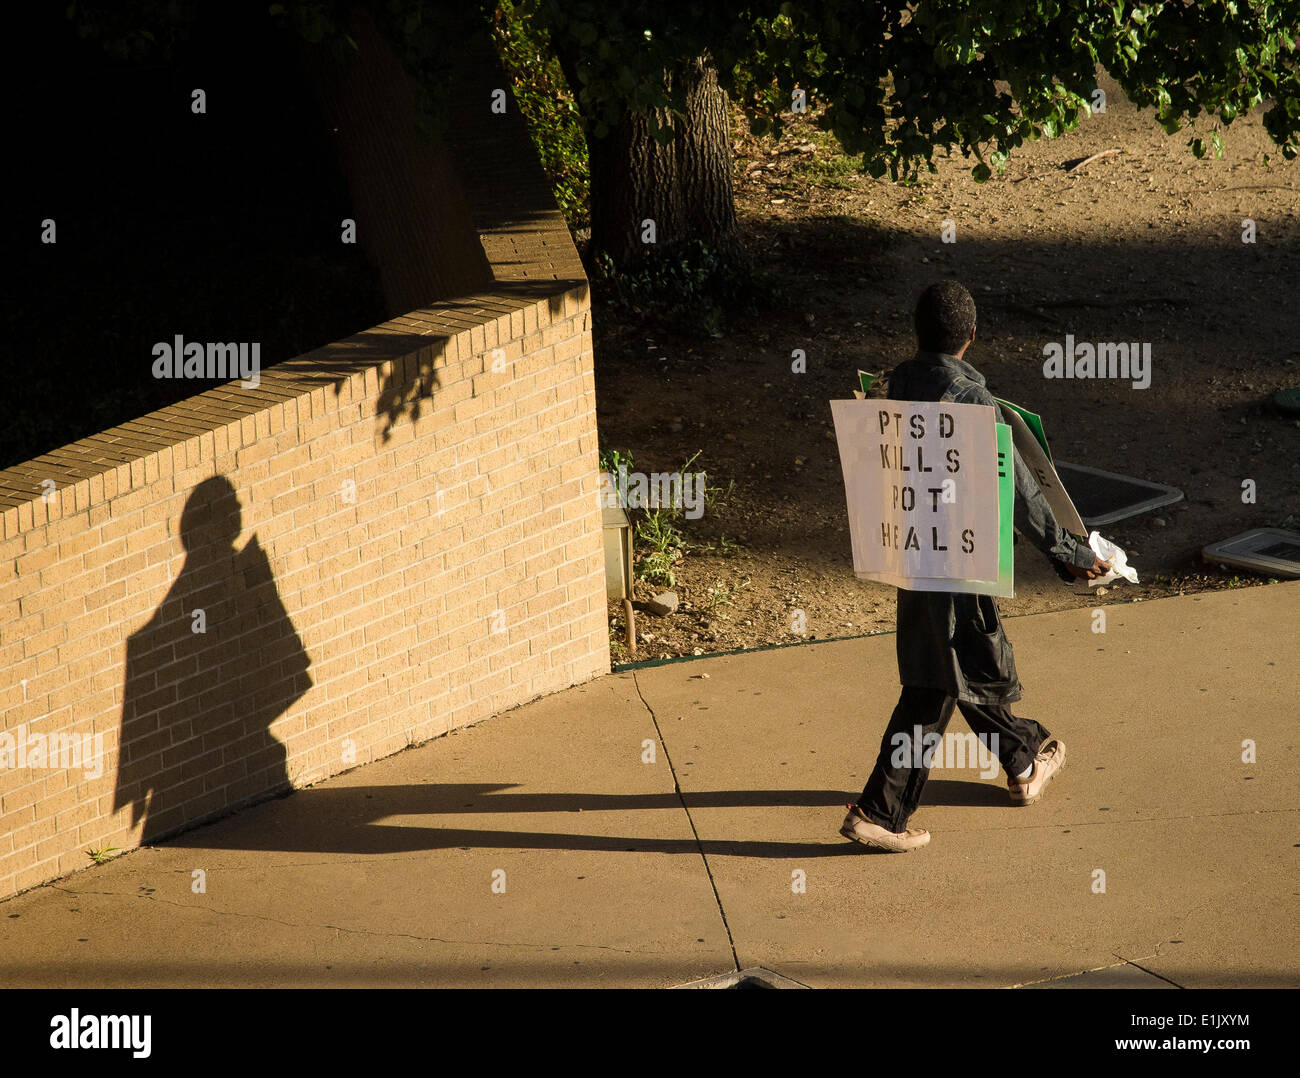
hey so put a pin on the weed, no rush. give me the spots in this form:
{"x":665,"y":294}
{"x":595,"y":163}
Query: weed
{"x":723,"y":548}
{"x":612,"y":459}
{"x":716,"y":498}
{"x":719,"y":595}
{"x":666,"y":546}
{"x":104,"y":853}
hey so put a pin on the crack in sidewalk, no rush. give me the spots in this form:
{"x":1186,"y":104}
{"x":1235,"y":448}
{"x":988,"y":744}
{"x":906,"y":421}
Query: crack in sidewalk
{"x":1100,"y":969}
{"x":1153,"y":973}
{"x":677,"y":789}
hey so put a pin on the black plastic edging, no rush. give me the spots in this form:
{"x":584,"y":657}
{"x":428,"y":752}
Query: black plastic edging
{"x":618,"y":668}
{"x":648,"y":663}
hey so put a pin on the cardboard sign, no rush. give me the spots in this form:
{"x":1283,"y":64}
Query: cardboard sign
{"x":1032,"y":420}
{"x":1031,"y":443}
{"x":1005,"y":585}
{"x":921,"y":480}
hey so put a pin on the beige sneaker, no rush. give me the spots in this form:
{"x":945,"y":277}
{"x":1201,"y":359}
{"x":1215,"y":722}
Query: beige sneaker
{"x":858,"y":828}
{"x":1048,"y":762}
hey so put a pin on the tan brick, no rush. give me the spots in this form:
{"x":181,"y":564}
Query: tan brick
{"x":46,"y":640}
{"x":21,"y":797}
{"x":147,"y":536}
{"x":32,"y":563}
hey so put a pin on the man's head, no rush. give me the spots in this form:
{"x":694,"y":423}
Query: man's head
{"x":945,"y":318}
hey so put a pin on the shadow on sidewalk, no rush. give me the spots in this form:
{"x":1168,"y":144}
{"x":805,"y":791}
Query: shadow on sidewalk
{"x":378,"y":820}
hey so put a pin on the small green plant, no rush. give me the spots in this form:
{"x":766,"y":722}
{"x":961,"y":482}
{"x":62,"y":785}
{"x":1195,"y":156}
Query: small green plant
{"x":612,"y":459}
{"x":104,"y":853}
{"x":657,"y":533}
{"x":719,"y":595}
{"x":717,"y":498}
{"x":723,"y":548}
{"x":666,"y":546}
{"x":617,"y":640}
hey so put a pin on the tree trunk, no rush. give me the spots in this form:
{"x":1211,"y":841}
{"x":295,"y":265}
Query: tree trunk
{"x":684,"y":188}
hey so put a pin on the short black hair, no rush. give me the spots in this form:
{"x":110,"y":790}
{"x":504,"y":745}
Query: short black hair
{"x":945,"y":317}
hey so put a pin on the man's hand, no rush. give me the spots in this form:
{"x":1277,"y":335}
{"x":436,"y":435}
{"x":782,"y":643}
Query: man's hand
{"x":1099,"y":568}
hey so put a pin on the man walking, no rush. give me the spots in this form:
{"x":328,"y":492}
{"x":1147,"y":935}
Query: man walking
{"x":952,"y":651}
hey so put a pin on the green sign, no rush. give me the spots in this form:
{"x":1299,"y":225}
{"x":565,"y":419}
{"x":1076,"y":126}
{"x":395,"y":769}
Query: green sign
{"x":1006,"y":509}
{"x":1033,"y":421}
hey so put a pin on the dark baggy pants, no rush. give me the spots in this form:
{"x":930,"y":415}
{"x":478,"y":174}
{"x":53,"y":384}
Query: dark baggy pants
{"x":893,"y":791}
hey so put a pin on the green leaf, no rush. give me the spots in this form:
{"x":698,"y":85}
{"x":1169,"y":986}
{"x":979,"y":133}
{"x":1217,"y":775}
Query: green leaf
{"x":981,"y":173}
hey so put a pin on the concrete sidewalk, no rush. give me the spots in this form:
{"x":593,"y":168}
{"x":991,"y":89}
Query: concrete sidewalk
{"x":538,"y":849}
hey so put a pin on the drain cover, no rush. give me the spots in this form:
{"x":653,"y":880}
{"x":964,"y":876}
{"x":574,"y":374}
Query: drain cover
{"x":1105,"y":497}
{"x":1266,"y":550}
{"x":754,"y":977}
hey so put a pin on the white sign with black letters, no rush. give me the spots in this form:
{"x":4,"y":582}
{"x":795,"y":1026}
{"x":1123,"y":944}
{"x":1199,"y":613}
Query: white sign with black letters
{"x":921,"y":483}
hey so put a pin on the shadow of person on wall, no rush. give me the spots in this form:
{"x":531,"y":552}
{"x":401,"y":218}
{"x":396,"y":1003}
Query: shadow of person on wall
{"x":217,"y":663}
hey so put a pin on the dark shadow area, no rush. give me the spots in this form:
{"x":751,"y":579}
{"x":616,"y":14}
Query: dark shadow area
{"x":411,"y":207}
{"x":341,"y":819}
{"x":206,"y":676}
{"x":221,"y":226}
{"x":1215,"y":311}
{"x":221,"y":221}
{"x":493,"y":202}
{"x":960,"y":793}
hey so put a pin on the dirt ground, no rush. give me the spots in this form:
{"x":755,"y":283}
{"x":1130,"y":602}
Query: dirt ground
{"x":1143,"y":245}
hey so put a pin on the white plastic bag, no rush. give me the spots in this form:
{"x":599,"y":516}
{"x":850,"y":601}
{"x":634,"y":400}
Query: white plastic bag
{"x":1119,"y":566}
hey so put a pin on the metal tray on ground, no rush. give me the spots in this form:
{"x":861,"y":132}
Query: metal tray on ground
{"x":1271,"y":551}
{"x":1104,"y":497}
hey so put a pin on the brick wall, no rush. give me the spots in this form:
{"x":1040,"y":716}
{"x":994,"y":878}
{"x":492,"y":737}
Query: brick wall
{"x":258,"y":588}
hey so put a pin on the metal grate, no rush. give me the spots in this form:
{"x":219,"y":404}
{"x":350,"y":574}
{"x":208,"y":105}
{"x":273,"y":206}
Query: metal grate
{"x":753,"y":977}
{"x":1104,"y":497}
{"x":1265,"y":550}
